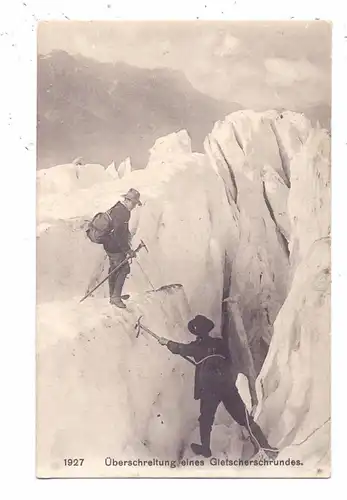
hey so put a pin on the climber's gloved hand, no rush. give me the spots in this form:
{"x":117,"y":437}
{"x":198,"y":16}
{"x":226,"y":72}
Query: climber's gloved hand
{"x":131,"y":253}
{"x":163,"y":341}
{"x":253,"y":410}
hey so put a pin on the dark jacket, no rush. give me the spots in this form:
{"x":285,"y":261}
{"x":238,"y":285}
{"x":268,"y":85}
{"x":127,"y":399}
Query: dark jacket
{"x":211,"y":371}
{"x":118,"y":240}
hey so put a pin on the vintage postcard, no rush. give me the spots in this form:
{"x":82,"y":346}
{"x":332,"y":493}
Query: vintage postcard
{"x":183,"y":249}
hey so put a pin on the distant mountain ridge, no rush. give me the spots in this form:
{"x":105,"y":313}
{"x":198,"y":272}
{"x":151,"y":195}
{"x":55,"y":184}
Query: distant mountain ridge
{"x":105,"y":112}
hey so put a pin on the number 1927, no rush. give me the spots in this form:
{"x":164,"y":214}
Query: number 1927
{"x":73,"y":462}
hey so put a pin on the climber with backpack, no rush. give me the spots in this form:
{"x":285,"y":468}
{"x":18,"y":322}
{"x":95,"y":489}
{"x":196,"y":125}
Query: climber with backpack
{"x":111,"y":229}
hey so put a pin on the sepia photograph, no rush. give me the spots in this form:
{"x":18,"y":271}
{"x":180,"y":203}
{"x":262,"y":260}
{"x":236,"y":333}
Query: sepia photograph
{"x":183,"y":249}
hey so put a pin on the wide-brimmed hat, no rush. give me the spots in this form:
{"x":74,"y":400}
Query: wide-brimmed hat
{"x":200,"y":325}
{"x":133,"y":195}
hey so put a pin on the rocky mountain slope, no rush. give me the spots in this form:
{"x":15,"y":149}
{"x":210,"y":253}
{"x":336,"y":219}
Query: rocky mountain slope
{"x":106,"y":112}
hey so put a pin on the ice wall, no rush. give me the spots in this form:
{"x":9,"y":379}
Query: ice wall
{"x":310,"y":195}
{"x":294,"y":383}
{"x":102,"y":391}
{"x":276,"y":172}
{"x":275,"y":168}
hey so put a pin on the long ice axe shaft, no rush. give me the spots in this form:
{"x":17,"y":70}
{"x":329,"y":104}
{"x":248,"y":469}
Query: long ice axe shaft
{"x":141,"y":245}
{"x":140,"y":325}
{"x":149,"y":331}
{"x":145,"y":275}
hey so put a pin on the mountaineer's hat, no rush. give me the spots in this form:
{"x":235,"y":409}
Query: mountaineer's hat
{"x":133,"y":195}
{"x":200,"y":325}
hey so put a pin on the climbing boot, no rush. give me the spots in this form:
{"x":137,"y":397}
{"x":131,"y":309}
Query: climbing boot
{"x":117,"y":301}
{"x":199,"y":449}
{"x":205,"y":436}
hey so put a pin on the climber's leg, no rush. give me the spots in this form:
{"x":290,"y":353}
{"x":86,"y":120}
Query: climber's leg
{"x":208,"y":405}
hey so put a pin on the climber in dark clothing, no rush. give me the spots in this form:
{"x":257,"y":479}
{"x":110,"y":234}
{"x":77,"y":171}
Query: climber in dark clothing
{"x":117,"y":244}
{"x":214,"y":383}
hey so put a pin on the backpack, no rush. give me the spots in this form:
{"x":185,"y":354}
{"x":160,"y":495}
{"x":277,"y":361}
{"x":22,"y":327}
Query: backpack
{"x":99,"y":227}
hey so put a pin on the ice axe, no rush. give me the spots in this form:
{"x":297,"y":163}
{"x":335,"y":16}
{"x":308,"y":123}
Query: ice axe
{"x":139,"y":325}
{"x":141,"y":245}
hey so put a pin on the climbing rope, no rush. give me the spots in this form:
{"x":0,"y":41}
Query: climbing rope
{"x":255,"y":439}
{"x":145,"y":274}
{"x":210,"y":356}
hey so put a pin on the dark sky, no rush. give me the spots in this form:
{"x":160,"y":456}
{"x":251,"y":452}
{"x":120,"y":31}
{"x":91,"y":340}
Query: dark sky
{"x":257,"y":64}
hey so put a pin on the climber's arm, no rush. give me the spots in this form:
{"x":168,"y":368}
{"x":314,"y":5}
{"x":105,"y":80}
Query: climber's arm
{"x":179,"y":348}
{"x":182,"y":349}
